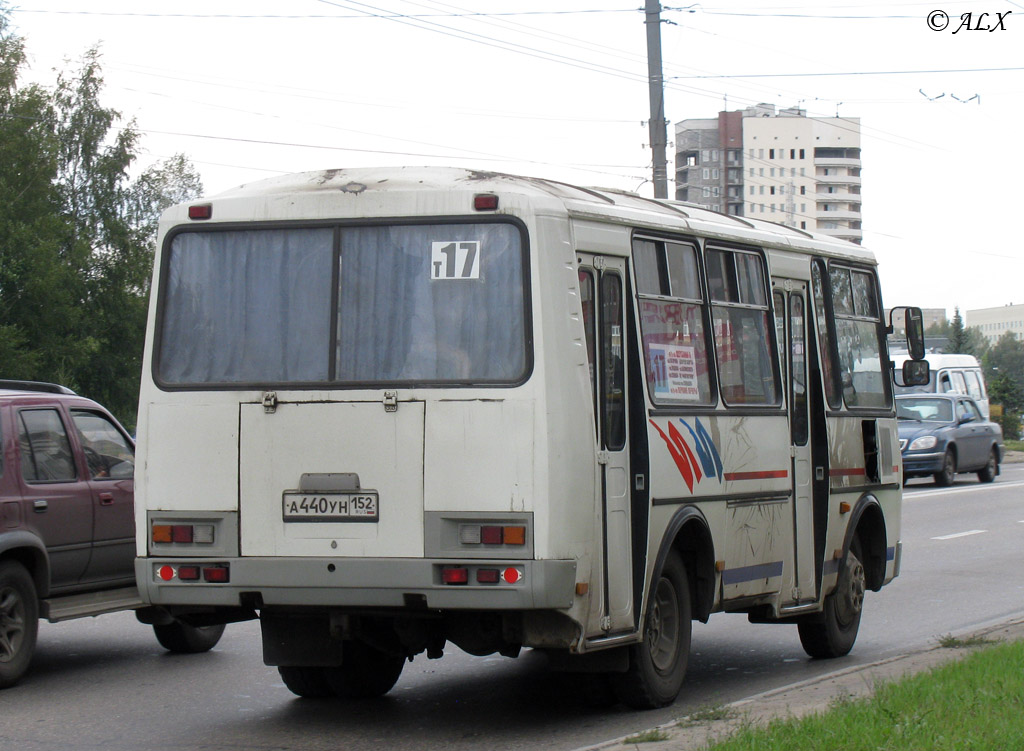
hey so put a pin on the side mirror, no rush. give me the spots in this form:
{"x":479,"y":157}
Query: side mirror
{"x":915,"y":333}
{"x":916,"y":372}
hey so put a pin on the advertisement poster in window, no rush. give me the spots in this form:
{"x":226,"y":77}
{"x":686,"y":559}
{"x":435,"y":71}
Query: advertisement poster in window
{"x":675,"y":372}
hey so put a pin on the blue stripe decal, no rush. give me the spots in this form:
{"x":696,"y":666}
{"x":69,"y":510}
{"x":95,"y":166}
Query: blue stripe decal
{"x":890,"y":554}
{"x":752,"y":573}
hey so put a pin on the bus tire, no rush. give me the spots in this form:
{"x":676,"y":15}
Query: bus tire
{"x":19,"y":622}
{"x":364,"y":672}
{"x":185,"y":639}
{"x":657,"y":665}
{"x":834,"y":633}
{"x":307,"y":681}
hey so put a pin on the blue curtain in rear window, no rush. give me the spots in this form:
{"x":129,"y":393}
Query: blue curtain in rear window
{"x":399,"y":320}
{"x":247,"y":307}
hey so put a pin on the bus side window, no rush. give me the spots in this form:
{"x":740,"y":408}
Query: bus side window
{"x":859,"y":337}
{"x":747,"y":366}
{"x":825,"y":335}
{"x":779,"y":303}
{"x":586,"y":277}
{"x":798,"y":355}
{"x":613,"y":379}
{"x":672,"y":322}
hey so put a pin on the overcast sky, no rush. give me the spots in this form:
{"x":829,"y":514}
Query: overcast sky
{"x":250,"y":89}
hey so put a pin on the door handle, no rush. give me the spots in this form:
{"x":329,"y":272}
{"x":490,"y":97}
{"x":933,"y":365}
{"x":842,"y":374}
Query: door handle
{"x":40,"y":505}
{"x":106,"y":499}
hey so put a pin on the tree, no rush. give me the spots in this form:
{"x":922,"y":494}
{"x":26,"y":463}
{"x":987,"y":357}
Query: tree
{"x":962,"y":340}
{"x":1006,"y":358}
{"x":76,"y":233}
{"x":937,"y":329}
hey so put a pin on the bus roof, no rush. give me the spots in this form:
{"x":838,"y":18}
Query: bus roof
{"x":597,"y":204}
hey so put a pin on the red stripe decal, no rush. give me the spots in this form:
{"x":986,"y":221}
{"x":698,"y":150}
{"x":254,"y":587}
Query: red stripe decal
{"x":677,"y":456}
{"x":854,"y":472}
{"x":678,"y":438}
{"x":770,"y":474}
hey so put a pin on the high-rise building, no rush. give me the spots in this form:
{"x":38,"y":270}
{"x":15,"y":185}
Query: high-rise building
{"x":782,"y":166}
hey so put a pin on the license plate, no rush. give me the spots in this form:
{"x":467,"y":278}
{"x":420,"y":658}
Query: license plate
{"x":356,"y":506}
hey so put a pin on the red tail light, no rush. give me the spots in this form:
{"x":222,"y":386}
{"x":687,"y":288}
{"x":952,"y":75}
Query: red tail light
{"x":188,"y":573}
{"x":488,"y":576}
{"x":218,"y":574}
{"x":455,"y":575}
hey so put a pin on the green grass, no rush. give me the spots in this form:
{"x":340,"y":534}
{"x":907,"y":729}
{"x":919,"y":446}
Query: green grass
{"x":974,"y":704}
{"x":1014,"y":445}
{"x":951,"y":642}
{"x":648,"y":736}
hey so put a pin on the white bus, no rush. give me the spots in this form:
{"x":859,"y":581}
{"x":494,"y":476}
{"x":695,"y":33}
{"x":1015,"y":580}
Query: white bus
{"x":384,"y":410}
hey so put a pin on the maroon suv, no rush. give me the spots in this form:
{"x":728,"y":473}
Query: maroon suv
{"x":67,"y":523}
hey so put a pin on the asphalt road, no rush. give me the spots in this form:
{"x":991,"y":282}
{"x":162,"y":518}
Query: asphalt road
{"x":105,"y":683}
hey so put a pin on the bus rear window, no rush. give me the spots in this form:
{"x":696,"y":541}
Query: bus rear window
{"x":416,"y":304}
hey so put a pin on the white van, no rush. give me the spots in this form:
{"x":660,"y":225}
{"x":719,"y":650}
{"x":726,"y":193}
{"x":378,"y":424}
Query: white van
{"x":960,"y":374}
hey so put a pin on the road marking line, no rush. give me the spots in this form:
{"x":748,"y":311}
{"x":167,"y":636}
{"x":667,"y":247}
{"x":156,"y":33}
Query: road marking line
{"x":961,"y":534}
{"x":922,"y":493}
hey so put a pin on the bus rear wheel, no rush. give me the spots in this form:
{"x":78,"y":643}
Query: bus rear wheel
{"x":835,"y":631}
{"x":657,"y":665}
{"x":307,"y":681}
{"x":184,"y":638}
{"x":364,"y":672}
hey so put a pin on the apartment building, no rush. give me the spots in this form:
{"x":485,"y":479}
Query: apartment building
{"x":782,"y":166}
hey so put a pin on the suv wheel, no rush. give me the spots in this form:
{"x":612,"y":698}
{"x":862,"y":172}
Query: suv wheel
{"x":19,"y":622}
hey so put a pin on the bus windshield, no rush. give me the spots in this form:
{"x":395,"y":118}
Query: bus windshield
{"x":425,"y":303}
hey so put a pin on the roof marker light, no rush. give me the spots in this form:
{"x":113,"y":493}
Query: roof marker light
{"x":485,"y":202}
{"x":200,"y":211}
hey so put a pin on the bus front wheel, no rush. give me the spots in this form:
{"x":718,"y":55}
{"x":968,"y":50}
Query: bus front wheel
{"x":657,"y":665}
{"x":835,"y":631}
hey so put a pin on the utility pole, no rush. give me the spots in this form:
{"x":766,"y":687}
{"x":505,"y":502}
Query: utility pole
{"x":656,"y":86}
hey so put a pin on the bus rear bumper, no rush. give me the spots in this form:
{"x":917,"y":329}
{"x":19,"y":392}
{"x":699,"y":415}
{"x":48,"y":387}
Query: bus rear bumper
{"x":357,"y":583}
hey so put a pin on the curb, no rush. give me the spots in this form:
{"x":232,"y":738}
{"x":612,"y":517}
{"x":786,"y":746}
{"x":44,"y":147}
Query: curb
{"x":814,"y":695}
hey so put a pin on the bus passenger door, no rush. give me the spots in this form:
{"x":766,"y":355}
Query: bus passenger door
{"x":602,"y":283}
{"x":790,"y":300}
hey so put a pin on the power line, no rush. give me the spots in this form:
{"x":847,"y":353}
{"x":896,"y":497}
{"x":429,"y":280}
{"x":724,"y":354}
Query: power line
{"x":319,"y":16}
{"x":854,"y":73}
